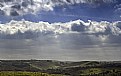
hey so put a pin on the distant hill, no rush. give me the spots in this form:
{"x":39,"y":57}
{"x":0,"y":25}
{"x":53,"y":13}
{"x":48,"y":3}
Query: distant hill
{"x":82,"y":68}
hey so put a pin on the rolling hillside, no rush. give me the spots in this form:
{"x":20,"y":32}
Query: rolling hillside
{"x":83,"y":68}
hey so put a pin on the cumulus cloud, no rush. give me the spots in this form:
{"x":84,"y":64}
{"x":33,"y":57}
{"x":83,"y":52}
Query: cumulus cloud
{"x":20,"y":7}
{"x":32,"y":29}
{"x":118,"y":9}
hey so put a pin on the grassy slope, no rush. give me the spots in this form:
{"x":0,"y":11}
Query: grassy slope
{"x":8,"y":73}
{"x":84,"y":68}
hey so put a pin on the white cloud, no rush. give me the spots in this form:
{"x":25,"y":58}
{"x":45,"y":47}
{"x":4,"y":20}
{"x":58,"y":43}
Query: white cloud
{"x":14,"y":28}
{"x":20,"y":7}
{"x":118,"y":9}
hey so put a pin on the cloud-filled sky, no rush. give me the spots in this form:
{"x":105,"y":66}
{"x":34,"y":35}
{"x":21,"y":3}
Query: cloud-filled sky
{"x":32,"y":29}
{"x":59,"y":9}
{"x":20,"y":7}
{"x":55,"y":17}
{"x":60,"y":29}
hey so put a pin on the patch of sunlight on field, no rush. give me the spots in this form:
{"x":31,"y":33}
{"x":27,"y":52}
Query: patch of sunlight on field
{"x":27,"y":74}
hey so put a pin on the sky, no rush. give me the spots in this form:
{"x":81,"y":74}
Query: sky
{"x":69,"y":30}
{"x":60,"y":10}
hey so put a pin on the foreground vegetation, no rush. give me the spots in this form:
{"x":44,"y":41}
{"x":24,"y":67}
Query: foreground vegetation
{"x":58,"y":68}
{"x":8,"y":73}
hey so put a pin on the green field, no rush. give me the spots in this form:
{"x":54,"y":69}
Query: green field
{"x":59,"y":68}
{"x":101,"y":72}
{"x":26,"y":74}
